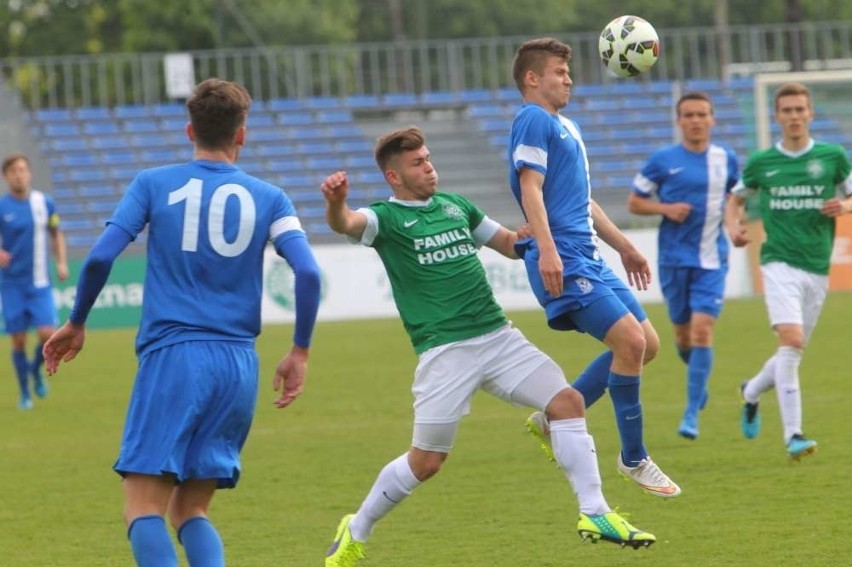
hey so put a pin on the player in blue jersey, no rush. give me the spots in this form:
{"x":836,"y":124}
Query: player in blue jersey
{"x":196,"y":386}
{"x":549,"y":177}
{"x":29,"y":225}
{"x":691,"y":182}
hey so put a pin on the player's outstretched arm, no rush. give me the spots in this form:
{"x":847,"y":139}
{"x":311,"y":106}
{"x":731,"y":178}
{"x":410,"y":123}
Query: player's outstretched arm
{"x":290,"y":376}
{"x":63,"y":345}
{"x":340,"y":217}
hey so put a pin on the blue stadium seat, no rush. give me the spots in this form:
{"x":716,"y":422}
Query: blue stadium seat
{"x":146,"y":140}
{"x":266,"y":135}
{"x":78,"y":224}
{"x":70,"y":207}
{"x":323,"y":102}
{"x":477,"y":95}
{"x":509,"y":94}
{"x":108,"y":142}
{"x":359,"y":162}
{"x":279,"y":104}
{"x":307,"y":133}
{"x":261,"y":119}
{"x":170,"y":110}
{"x":494,"y":125}
{"x":490,"y":110}
{"x":271,"y":150}
{"x":159,"y":156}
{"x":141,"y":125}
{"x":362,"y":102}
{"x":118,"y":156}
{"x":400,"y":99}
{"x":61,"y":192}
{"x":131,"y":111}
{"x":93,"y":113}
{"x":104,"y":205}
{"x":291,"y":181}
{"x":68,"y":144}
{"x":296,"y":118}
{"x":328,"y":164}
{"x":53,"y":115}
{"x":97,"y":190}
{"x":439,"y":98}
{"x":174,"y":124}
{"x":354,"y":146}
{"x":79,"y":159}
{"x":334,"y":116}
{"x":121,"y":174}
{"x":282,"y":165}
{"x":58,"y":129}
{"x":88,"y":175}
{"x":315,"y":148}
{"x":346,"y":131}
{"x":256,"y":167}
{"x":97,"y":128}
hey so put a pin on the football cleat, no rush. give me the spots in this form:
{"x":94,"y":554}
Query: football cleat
{"x":344,"y":551}
{"x":749,"y":417}
{"x":612,"y":528}
{"x":537,"y":425}
{"x":649,"y":477}
{"x":40,"y":386}
{"x":26,"y":403}
{"x":799,"y":446}
{"x":688,"y":426}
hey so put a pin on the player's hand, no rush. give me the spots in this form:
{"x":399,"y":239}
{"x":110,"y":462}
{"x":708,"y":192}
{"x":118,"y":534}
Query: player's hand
{"x":290,"y":376}
{"x":335,"y":188}
{"x":677,"y":212}
{"x":524,"y":231}
{"x":638,"y":269}
{"x":5,"y":259}
{"x":833,"y":208}
{"x":62,"y":271}
{"x":739,"y":235}
{"x":63,"y":345}
{"x":550,"y":268}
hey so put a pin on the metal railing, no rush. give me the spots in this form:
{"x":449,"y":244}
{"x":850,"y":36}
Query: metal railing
{"x":416,"y":66}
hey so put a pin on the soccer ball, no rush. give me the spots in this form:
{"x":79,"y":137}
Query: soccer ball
{"x":628,"y":46}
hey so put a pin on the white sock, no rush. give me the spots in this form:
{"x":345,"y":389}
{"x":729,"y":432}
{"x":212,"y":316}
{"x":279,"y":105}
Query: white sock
{"x":762,"y":381}
{"x":574,"y":450}
{"x":787,"y":390}
{"x":394,"y":483}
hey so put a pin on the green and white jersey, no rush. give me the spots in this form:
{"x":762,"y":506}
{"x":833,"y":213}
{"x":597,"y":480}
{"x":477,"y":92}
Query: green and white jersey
{"x":792,"y":188}
{"x":429,"y":249}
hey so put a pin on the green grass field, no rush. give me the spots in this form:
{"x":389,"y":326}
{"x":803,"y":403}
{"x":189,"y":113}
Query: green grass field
{"x":497,"y":502}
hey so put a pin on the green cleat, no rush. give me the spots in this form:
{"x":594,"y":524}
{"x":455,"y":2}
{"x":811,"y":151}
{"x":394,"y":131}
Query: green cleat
{"x":537,"y":425}
{"x":612,"y":528}
{"x":344,"y":551}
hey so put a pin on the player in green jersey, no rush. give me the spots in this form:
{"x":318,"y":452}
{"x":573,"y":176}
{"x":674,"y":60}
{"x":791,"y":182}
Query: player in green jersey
{"x":428,"y":242}
{"x":797,"y":182}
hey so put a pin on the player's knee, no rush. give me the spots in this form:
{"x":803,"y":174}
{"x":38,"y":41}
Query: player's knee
{"x":631,"y":347}
{"x":426,"y":464}
{"x":567,"y":404}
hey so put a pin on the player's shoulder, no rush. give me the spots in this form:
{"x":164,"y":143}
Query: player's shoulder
{"x":829,"y":148}
{"x":529,"y":112}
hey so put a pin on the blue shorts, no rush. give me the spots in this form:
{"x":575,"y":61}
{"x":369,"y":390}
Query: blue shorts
{"x":28,"y":307}
{"x":190,"y":412}
{"x":690,"y":290}
{"x":591,"y":301}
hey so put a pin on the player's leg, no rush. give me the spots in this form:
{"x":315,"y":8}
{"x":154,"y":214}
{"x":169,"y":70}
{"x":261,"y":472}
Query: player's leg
{"x":145,"y":500}
{"x":446,"y":378}
{"x":521,"y":374}
{"x":44,"y":319}
{"x":16,"y":319}
{"x":188,"y":515}
{"x":223,"y":382}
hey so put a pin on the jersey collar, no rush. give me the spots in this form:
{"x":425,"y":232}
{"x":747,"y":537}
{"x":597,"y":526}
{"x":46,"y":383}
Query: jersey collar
{"x":801,"y":152}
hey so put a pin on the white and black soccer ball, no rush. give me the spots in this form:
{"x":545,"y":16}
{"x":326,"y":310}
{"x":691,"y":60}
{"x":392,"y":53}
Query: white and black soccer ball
{"x":628,"y":46}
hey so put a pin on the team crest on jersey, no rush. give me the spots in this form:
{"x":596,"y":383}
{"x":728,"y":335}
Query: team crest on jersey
{"x":453,"y":211}
{"x":584,"y":285}
{"x":815,"y":168}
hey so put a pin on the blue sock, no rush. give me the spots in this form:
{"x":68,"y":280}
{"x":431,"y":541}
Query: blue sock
{"x":152,"y":546}
{"x":38,"y":360}
{"x":698,"y":374}
{"x":592,"y":381}
{"x":202,"y":543}
{"x":684,"y":353}
{"x":624,"y":391}
{"x":19,"y":361}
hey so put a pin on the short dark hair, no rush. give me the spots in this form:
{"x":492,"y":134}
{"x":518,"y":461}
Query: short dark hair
{"x":693,"y":95}
{"x":532,"y":56}
{"x":394,"y":143}
{"x":792,"y":89}
{"x":11,"y":159}
{"x":217,"y":109}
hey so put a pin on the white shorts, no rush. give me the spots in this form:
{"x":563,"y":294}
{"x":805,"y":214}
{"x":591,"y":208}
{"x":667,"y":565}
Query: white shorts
{"x":793,"y":296}
{"x":499,"y":362}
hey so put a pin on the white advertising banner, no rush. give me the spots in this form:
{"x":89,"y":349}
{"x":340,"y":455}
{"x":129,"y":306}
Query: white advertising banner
{"x":355,"y":285}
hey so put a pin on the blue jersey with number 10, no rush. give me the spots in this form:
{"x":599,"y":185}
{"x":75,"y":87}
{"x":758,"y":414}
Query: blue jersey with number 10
{"x":208,"y":227}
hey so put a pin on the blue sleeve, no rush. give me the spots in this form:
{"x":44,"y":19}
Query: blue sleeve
{"x":294,"y":248}
{"x":96,"y":269}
